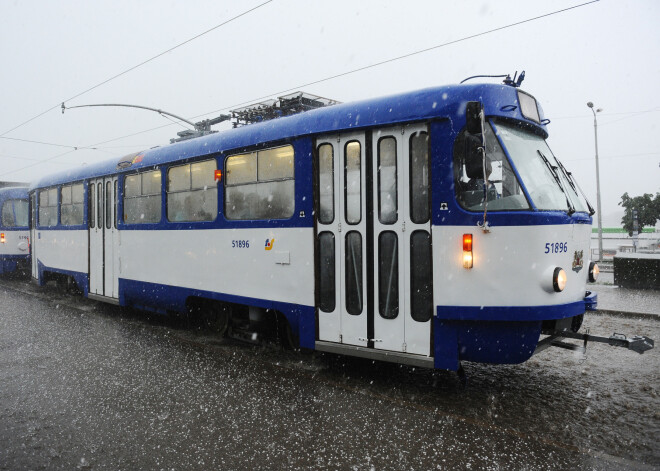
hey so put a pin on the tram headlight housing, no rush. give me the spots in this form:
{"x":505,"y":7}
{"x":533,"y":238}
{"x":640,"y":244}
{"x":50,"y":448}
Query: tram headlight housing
{"x":559,"y":279}
{"x":594,"y":271}
{"x":2,"y":238}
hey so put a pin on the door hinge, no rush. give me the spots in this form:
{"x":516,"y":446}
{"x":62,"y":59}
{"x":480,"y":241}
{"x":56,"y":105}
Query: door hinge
{"x":403,"y":226}
{"x":339,"y":227}
{"x":404,"y":347}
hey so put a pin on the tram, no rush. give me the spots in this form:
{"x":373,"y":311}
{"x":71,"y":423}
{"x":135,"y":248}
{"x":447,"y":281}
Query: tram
{"x":14,"y":235}
{"x":425,"y":228}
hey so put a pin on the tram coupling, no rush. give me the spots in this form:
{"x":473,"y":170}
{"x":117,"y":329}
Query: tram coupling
{"x":636,"y":343}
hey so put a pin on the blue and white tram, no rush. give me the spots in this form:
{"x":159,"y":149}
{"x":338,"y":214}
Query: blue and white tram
{"x":424,"y":228}
{"x":14,"y":230}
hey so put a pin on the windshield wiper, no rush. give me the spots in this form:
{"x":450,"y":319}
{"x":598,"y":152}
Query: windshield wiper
{"x":576,"y":187}
{"x":553,"y":172}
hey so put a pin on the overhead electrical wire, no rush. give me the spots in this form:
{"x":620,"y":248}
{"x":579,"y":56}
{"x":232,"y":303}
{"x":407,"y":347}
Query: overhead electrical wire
{"x":405,"y":56}
{"x":49,"y":143}
{"x":138,"y":65}
{"x":332,"y":77}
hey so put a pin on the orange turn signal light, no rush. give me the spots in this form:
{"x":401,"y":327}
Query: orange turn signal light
{"x":467,"y":251}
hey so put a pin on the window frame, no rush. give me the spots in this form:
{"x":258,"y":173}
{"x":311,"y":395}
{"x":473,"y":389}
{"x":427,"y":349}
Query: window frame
{"x":48,"y":207}
{"x":349,"y":211}
{"x":413,"y":197}
{"x":72,"y":204}
{"x":141,"y":174}
{"x":329,"y":197}
{"x":12,"y":202}
{"x":228,"y":184}
{"x":382,"y":216}
{"x":191,"y":190}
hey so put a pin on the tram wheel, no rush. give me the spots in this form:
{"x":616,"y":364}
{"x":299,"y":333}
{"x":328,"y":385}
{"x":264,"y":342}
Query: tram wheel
{"x":216,"y":318}
{"x":576,"y":323}
{"x":287,"y":338}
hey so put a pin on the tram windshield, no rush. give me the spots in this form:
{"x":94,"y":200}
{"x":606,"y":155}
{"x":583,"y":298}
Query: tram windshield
{"x":15,"y":213}
{"x":550,"y":186}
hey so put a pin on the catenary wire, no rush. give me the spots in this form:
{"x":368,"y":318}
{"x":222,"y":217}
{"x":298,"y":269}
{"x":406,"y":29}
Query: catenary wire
{"x":138,"y":65}
{"x":270,"y":95}
{"x":343,"y":74}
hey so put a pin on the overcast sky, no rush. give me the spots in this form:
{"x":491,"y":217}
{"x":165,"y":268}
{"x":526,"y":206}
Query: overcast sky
{"x":605,"y":52}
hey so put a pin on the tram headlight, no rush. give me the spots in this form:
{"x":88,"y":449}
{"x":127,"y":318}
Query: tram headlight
{"x":2,"y":238}
{"x":594,"y":271}
{"x":559,"y":279}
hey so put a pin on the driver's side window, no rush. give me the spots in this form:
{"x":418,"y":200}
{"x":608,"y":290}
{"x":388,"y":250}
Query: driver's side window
{"x":500,"y":186}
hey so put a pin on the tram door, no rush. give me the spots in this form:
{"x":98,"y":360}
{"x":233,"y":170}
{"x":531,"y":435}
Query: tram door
{"x":103,"y":237}
{"x":374,"y":242}
{"x":33,"y":235}
{"x":342,"y":239}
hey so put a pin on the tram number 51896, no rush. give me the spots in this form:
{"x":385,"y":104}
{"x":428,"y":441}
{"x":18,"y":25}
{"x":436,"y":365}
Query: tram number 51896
{"x":556,"y":247}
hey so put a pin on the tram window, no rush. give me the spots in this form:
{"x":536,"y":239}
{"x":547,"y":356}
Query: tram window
{"x":421,"y":281}
{"x":388,"y":275}
{"x":132,"y":186}
{"x":387,"y":181}
{"x":116,"y":201}
{"x":71,"y":207}
{"x":33,"y":210}
{"x":241,"y":169}
{"x":108,"y":205}
{"x":142,"y":198}
{"x":327,"y":272}
{"x":275,"y":164}
{"x":260,"y":185}
{"x":503,"y":193}
{"x":192,"y":193}
{"x":99,"y":206}
{"x":48,"y":207}
{"x":15,"y":213}
{"x":92,"y":205}
{"x":419,"y":178}
{"x":353,"y":276}
{"x":326,"y":184}
{"x":353,"y":182}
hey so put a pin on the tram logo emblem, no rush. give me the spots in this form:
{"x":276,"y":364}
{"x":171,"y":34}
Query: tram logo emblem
{"x":129,"y":160}
{"x":578,"y":260}
{"x":269,"y":244}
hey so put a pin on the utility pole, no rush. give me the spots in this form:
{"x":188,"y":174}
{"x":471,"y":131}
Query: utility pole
{"x":600,"y":217}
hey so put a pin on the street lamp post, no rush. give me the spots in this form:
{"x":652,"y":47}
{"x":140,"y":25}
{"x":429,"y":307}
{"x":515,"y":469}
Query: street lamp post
{"x":600,"y":220}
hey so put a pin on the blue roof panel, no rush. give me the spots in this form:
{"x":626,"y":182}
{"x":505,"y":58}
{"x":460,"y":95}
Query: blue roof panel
{"x":433,"y":103}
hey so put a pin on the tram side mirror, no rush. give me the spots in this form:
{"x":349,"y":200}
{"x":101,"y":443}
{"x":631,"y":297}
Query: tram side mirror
{"x":472,"y":114}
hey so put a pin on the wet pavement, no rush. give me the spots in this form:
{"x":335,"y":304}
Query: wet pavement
{"x":85,"y":385}
{"x":612,"y":298}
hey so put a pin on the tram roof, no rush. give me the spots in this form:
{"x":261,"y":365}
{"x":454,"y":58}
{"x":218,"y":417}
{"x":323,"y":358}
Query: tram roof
{"x":13,"y":192}
{"x":421,"y":105}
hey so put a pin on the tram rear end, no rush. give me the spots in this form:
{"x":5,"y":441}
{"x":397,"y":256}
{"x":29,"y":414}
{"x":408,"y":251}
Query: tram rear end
{"x":14,"y":231}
